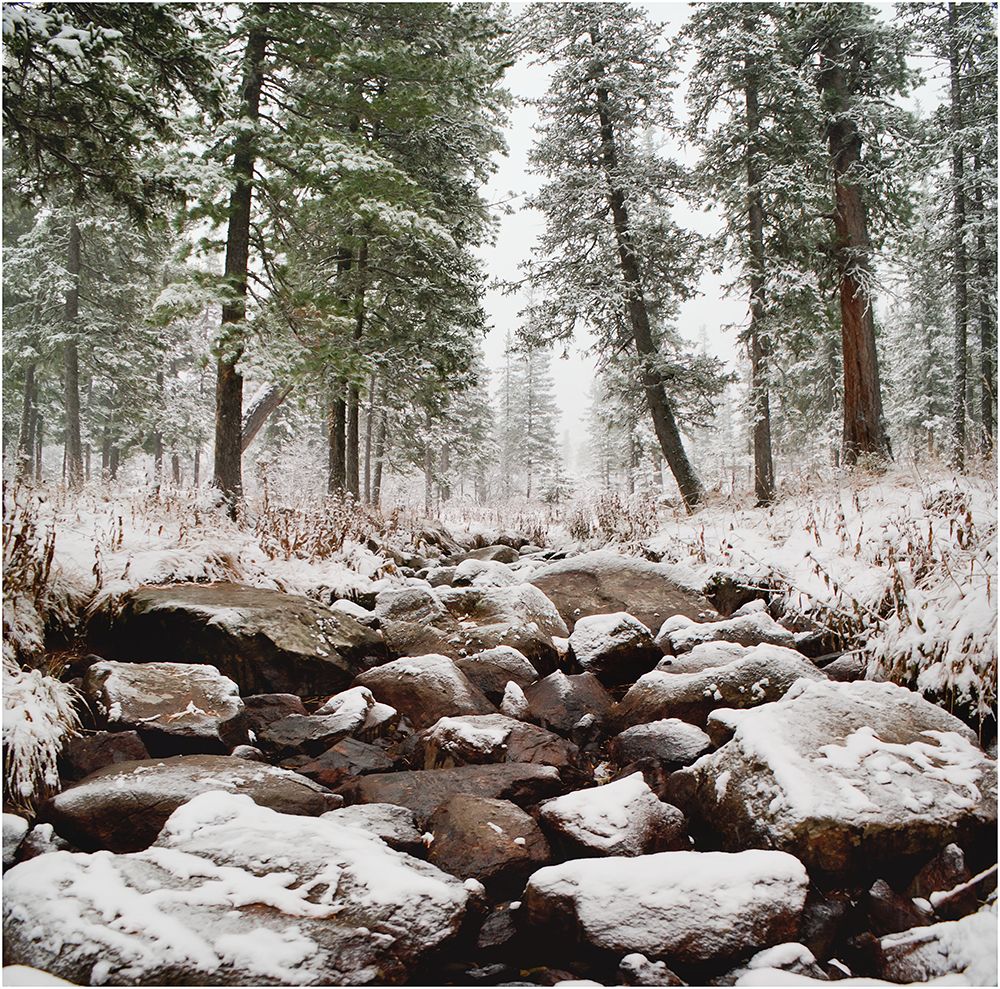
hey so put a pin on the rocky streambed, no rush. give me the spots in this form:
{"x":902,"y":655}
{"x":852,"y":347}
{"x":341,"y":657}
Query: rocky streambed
{"x":474,"y":778}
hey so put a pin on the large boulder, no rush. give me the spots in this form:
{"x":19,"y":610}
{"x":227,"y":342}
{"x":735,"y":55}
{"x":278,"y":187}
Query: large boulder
{"x":604,"y":581}
{"x":267,"y":641}
{"x":520,"y":616}
{"x":343,"y":761}
{"x":842,"y":775}
{"x":396,"y":826}
{"x":620,"y":818}
{"x":616,"y":648}
{"x":124,"y":806}
{"x":492,"y":841}
{"x":85,"y":754}
{"x":423,"y":791}
{"x":680,"y":634}
{"x":15,"y":828}
{"x":459,"y":621}
{"x":763,"y":674}
{"x":684,"y":908}
{"x":485,"y":573}
{"x":492,"y":669}
{"x":670,"y":741}
{"x":425,"y":688}
{"x":177,"y":708}
{"x":566,"y":704}
{"x":966,"y":948}
{"x":232,"y":894}
{"x":490,"y":738}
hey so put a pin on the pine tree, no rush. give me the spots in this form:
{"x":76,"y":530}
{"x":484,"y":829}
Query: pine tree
{"x":611,"y":258}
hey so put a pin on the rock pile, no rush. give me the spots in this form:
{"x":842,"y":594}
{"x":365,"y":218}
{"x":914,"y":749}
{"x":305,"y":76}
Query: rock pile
{"x":505,"y":770}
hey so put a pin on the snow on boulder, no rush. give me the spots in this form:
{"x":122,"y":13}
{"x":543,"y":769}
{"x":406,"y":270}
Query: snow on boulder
{"x":704,"y":656}
{"x":669,"y":741}
{"x":763,"y":674}
{"x":520,"y":616}
{"x":679,"y":634}
{"x":24,"y":975}
{"x":683,"y":908}
{"x":14,"y":830}
{"x":492,"y":669}
{"x":123,"y":806}
{"x":267,"y":641}
{"x":423,"y":791}
{"x":232,"y":893}
{"x":489,"y":738}
{"x":616,"y":648}
{"x":499,"y":553}
{"x":396,"y":826}
{"x":842,"y":775}
{"x":425,"y":688}
{"x":966,"y":948}
{"x":620,"y":818}
{"x":604,"y":581}
{"x":566,"y":704}
{"x":177,"y":708}
{"x":484,"y":573}
{"x":513,"y":703}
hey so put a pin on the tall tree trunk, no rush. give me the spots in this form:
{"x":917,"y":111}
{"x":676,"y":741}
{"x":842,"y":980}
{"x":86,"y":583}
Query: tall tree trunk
{"x":228,"y":475}
{"x":369,"y":431}
{"x":986,"y":299}
{"x":158,"y":438}
{"x":116,"y":456}
{"x":26,"y":435}
{"x":197,"y":466}
{"x":260,"y":411}
{"x":39,"y":446}
{"x":175,"y":468}
{"x":71,"y":358}
{"x":959,"y":260}
{"x":354,"y":392}
{"x":864,"y":429}
{"x":105,"y":452}
{"x":660,"y":407}
{"x":380,"y":441}
{"x":763,"y":463}
{"x":336,"y":473}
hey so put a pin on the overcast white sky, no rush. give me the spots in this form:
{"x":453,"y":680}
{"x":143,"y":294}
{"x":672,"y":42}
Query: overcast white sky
{"x":518,"y":232}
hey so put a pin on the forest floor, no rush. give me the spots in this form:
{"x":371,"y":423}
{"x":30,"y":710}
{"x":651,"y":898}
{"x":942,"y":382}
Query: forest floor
{"x":838,"y":586}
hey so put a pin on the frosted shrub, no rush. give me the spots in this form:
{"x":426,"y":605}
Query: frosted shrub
{"x":39,"y":714}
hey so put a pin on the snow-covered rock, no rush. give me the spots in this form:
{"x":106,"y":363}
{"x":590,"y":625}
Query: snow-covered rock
{"x":423,"y":791}
{"x":562,"y":703}
{"x":763,"y":674}
{"x":123,"y":807}
{"x":373,"y":718}
{"x":487,"y":738}
{"x":966,"y":947}
{"x":493,"y":841}
{"x":425,"y":688}
{"x":704,"y":656}
{"x":620,"y":818}
{"x":177,"y":708}
{"x":492,"y":669}
{"x":396,"y":826}
{"x":679,"y":634}
{"x":232,"y":893}
{"x":15,"y":828}
{"x":265,"y":640}
{"x":25,"y":975}
{"x":484,"y":573}
{"x":616,"y":648}
{"x":682,"y":908}
{"x":513,"y":703}
{"x":604,"y":581}
{"x":669,"y":740}
{"x":843,"y":774}
{"x":635,"y":969}
{"x":309,"y":734}
{"x":791,"y":957}
{"x":498,"y":553}
{"x":343,"y":760}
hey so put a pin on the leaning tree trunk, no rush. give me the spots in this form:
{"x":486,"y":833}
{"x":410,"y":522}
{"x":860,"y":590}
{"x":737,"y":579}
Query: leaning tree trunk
{"x":228,"y":474}
{"x":763,"y":463}
{"x":26,"y":434}
{"x":260,"y":411}
{"x":660,"y":408}
{"x":959,"y":260}
{"x":864,"y":428}
{"x":71,"y":360}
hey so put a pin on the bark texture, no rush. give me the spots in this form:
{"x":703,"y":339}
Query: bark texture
{"x":71,"y":363}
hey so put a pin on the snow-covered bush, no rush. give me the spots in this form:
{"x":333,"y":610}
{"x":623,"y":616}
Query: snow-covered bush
{"x":39,"y":714}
